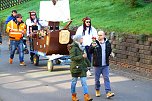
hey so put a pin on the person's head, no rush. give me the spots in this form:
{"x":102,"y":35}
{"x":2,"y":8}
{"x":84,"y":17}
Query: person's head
{"x":19,"y":18}
{"x":32,"y":15}
{"x":101,"y":35}
{"x":78,"y":38}
{"x":86,"y":23}
{"x":14,"y":12}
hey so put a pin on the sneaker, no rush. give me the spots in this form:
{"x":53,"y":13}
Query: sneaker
{"x":97,"y":93}
{"x":22,"y":64}
{"x":110,"y":94}
{"x":10,"y":61}
{"x":89,"y":73}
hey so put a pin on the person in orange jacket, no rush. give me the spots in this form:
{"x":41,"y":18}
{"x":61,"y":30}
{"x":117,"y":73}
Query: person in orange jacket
{"x":16,"y":29}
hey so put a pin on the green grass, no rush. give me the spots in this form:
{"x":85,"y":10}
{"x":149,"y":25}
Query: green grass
{"x":108,"y":15}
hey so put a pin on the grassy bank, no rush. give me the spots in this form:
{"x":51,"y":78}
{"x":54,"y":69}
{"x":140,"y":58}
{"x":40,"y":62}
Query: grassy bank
{"x":109,"y":15}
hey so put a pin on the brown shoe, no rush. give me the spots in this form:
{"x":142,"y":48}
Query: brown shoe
{"x":22,"y":64}
{"x":10,"y":61}
{"x":97,"y":93}
{"x":74,"y":97}
{"x":110,"y":94}
{"x":87,"y":97}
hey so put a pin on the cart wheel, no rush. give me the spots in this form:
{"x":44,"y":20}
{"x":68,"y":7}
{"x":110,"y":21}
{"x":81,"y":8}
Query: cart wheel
{"x":50,"y":65}
{"x":57,"y":61}
{"x":36,"y":60}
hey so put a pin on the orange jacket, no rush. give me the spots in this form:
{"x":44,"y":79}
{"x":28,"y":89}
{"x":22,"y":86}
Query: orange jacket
{"x":15,"y":31}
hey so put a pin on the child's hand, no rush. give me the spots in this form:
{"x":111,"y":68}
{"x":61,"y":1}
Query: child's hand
{"x":11,"y":30}
{"x":94,"y":44}
{"x":84,"y":55}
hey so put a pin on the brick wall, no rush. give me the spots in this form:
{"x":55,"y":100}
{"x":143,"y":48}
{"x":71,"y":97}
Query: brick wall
{"x":133,"y":52}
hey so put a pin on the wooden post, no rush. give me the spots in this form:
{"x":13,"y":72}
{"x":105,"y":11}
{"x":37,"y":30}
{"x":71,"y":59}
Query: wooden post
{"x":67,"y":26}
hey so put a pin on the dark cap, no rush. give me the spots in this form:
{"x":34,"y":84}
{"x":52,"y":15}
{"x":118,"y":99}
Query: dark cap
{"x":18,"y":16}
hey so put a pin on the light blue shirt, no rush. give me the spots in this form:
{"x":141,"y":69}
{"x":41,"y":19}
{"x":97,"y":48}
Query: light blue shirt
{"x":103,"y":47}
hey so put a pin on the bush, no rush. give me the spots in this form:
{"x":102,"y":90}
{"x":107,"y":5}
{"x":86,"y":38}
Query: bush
{"x":134,"y":3}
{"x":2,"y":26}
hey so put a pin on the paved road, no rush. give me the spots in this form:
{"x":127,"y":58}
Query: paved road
{"x":33,"y":83}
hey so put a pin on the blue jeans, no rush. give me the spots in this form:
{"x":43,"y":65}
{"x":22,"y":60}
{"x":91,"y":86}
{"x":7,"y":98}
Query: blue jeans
{"x":13,"y":45}
{"x":83,"y":83}
{"x":104,"y":70}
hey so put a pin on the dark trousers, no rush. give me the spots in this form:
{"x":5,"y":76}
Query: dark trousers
{"x":31,"y":49}
{"x":89,"y":56}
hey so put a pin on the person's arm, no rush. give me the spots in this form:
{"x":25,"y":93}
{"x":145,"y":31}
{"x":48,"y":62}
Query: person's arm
{"x":28,"y":23}
{"x":8,"y":27}
{"x":109,"y":48}
{"x":79,"y":30}
{"x":75,"y":56}
{"x":39,"y":24}
{"x":94,"y":32}
{"x":7,"y":20}
{"x":92,"y":47}
{"x":88,"y":62}
{"x":23,"y":28}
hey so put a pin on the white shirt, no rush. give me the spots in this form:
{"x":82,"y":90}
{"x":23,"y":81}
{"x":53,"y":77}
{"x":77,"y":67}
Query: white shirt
{"x":87,"y":38}
{"x":30,"y":23}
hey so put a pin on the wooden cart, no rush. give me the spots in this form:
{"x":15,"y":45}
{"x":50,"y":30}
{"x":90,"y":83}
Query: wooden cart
{"x":51,"y":43}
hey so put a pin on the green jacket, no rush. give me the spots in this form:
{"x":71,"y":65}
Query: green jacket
{"x":78,"y":65}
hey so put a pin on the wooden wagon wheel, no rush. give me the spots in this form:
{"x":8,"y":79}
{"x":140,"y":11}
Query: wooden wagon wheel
{"x":50,"y":65}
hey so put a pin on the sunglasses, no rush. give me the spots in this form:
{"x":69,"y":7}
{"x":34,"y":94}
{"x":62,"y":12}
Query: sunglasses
{"x":19,"y":17}
{"x":87,"y":21}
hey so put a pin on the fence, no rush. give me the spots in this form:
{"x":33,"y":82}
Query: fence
{"x":10,"y":3}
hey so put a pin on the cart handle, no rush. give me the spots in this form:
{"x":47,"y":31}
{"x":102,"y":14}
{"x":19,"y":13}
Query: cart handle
{"x":68,"y":24}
